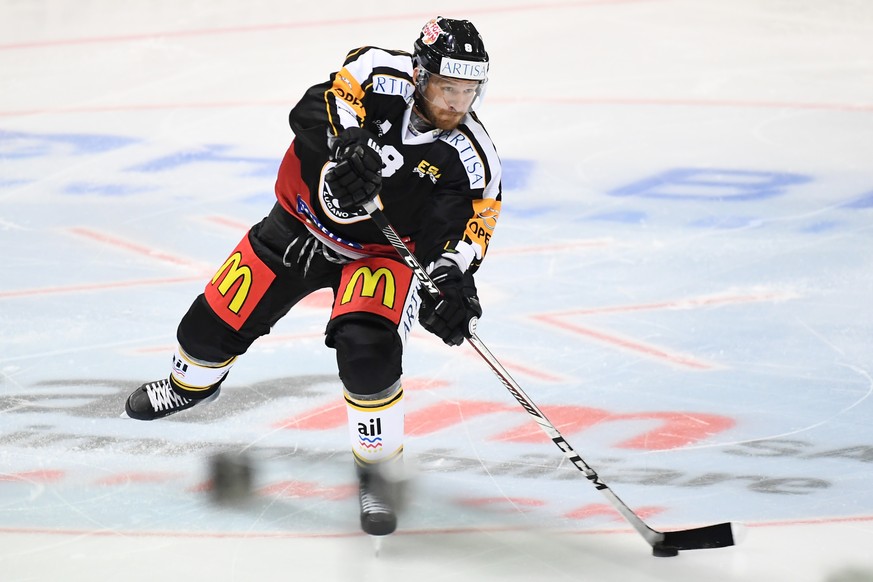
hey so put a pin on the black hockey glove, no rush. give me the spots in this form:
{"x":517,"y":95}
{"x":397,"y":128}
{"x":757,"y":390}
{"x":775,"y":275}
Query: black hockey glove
{"x":450,"y":316}
{"x":357,"y":176}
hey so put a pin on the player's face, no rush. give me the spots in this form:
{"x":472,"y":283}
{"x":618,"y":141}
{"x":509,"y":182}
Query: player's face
{"x":447,"y":100}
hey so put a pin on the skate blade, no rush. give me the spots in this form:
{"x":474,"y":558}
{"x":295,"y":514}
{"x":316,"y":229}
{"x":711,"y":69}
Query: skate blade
{"x":377,"y":544}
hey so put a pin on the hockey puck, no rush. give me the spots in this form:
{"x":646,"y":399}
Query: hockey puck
{"x":231,"y":477}
{"x":664,"y":551}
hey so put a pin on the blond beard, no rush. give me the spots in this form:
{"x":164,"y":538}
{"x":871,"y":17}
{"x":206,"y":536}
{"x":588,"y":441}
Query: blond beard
{"x":444,"y":121}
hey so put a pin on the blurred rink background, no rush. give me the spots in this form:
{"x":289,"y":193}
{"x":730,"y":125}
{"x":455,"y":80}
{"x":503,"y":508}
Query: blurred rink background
{"x":681,"y":278}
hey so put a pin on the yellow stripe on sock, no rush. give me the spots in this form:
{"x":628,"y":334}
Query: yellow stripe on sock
{"x":375,"y":405}
{"x":188,"y":387}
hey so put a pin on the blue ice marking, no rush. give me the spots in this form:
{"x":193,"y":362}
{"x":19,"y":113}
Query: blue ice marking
{"x":209,"y":153}
{"x":262,"y":198}
{"x":12,"y":183}
{"x":624,"y":216}
{"x":727,"y":222}
{"x":82,"y":188}
{"x":19,"y":145}
{"x":516,"y":174}
{"x":863,"y":201}
{"x":712,"y":184}
{"x":824,"y":226}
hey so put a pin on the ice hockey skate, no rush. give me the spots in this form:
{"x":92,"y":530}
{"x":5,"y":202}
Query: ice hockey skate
{"x":157,"y":399}
{"x":378,"y":497}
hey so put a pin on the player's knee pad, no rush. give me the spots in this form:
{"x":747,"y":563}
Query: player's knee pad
{"x":197,"y":379}
{"x":368,"y":354}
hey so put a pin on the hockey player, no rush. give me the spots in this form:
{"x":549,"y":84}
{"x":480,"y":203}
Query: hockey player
{"x":395,"y":128}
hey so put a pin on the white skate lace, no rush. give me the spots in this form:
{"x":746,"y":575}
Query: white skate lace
{"x":162,"y":397}
{"x":372,"y":504}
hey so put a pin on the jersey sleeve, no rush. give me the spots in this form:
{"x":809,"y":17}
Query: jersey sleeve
{"x":341,"y":102}
{"x":464,"y":216}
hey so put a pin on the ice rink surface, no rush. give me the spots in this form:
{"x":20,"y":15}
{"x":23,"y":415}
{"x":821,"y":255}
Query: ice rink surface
{"x":682,"y":278}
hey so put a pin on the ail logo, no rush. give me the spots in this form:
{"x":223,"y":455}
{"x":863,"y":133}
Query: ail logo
{"x":370,"y":435}
{"x":179,"y":366}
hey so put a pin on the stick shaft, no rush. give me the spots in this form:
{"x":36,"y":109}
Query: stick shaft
{"x":511,"y":385}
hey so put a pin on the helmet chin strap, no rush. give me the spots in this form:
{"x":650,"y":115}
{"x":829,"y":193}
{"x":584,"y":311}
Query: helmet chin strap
{"x":419,"y":119}
{"x":418,"y":122}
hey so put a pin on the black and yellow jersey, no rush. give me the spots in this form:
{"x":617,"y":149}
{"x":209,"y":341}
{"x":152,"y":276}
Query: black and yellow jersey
{"x":440,"y":189}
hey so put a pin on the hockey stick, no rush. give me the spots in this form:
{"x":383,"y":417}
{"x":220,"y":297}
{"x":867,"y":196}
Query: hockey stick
{"x":663,"y":543}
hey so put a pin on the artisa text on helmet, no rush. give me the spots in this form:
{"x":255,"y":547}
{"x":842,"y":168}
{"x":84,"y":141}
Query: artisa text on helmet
{"x":474,"y":71}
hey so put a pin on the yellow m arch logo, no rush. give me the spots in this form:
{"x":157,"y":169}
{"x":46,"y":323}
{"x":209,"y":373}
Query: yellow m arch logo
{"x":369,"y":284}
{"x":232,"y":272}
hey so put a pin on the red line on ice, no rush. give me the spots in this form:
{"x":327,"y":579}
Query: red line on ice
{"x":130,"y":246}
{"x":558,"y":319}
{"x":627,"y":344}
{"x":324,"y":23}
{"x":128,"y":533}
{"x":680,"y":304}
{"x":228,"y":222}
{"x":96,"y":287}
{"x":535,"y":99}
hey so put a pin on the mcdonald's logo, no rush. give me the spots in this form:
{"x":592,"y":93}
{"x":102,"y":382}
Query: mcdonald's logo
{"x":234,"y":271}
{"x":369,"y":285}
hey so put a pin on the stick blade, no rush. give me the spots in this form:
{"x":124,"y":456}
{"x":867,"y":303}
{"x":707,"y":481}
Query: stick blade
{"x":710,"y":536}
